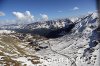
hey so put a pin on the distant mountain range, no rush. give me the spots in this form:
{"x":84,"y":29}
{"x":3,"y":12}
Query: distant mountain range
{"x":46,"y":24}
{"x":54,"y":28}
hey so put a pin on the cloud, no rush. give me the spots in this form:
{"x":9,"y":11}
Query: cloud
{"x":60,"y":11}
{"x":44,"y":17}
{"x":75,"y":8}
{"x":2,"y":13}
{"x":25,"y":17}
{"x":19,"y":15}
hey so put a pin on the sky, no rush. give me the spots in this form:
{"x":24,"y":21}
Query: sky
{"x":12,"y":11}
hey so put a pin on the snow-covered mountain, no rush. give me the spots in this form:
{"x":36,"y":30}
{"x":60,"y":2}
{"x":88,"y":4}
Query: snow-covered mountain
{"x":49,"y":24}
{"x":46,"y":28}
{"x":80,"y":47}
{"x":59,"y":23}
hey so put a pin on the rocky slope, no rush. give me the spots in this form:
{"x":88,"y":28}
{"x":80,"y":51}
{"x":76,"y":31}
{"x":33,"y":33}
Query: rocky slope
{"x":15,"y":52}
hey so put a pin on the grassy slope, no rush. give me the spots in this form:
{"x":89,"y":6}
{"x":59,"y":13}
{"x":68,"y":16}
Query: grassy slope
{"x":10,"y":47}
